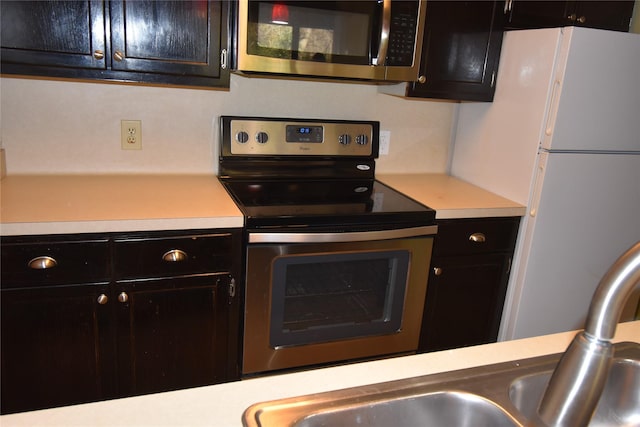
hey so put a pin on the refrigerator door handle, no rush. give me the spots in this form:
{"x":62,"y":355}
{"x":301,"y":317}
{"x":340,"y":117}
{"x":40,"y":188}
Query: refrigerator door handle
{"x":537,"y":188}
{"x":552,"y":111}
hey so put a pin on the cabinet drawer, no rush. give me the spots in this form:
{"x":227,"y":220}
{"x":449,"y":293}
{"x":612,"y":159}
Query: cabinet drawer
{"x":173,"y":256}
{"x":476,"y":236}
{"x":54,"y":263}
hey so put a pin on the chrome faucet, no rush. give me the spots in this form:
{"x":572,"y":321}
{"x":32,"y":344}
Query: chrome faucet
{"x":579,"y":378}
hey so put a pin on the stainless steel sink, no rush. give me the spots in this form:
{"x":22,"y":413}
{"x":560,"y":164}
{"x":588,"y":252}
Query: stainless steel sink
{"x":504,"y":394}
{"x":446,"y":408}
{"x":619,"y":404}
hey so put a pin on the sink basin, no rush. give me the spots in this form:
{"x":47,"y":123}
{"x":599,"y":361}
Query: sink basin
{"x":504,"y":394}
{"x":619,"y":404}
{"x":447,"y":408}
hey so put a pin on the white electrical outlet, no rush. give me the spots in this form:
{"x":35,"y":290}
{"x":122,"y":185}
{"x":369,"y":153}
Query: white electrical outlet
{"x":131,"y":134}
{"x":385,"y":140}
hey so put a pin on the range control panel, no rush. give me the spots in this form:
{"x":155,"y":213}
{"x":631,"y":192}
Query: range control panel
{"x":299,"y":137}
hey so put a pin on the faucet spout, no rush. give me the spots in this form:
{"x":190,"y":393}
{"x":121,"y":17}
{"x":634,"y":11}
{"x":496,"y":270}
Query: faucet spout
{"x":579,"y":378}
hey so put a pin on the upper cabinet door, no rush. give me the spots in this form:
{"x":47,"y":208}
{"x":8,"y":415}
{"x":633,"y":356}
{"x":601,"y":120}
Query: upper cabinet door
{"x":603,"y":14}
{"x":173,"y":37}
{"x":157,"y":42}
{"x":607,"y":15}
{"x":53,"y":33}
{"x":537,"y":14}
{"x":461,"y":50}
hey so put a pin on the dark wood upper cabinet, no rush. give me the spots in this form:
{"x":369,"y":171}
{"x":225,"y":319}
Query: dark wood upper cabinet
{"x":536,"y":14}
{"x":607,"y":15}
{"x":461,"y":51}
{"x":53,"y":33}
{"x":166,"y":37}
{"x":164,"y":42}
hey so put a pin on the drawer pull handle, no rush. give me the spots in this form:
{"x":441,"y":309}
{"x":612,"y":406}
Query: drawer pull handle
{"x":123,"y":297}
{"x":103,"y":299}
{"x":174,"y":255}
{"x":478,"y":238}
{"x":437,"y":271}
{"x":42,"y":263}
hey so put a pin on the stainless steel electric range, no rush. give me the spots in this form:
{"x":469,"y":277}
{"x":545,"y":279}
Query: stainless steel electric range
{"x":336,"y":261}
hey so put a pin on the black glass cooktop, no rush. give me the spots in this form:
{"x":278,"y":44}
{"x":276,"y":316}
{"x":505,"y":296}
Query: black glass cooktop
{"x":356,"y":204}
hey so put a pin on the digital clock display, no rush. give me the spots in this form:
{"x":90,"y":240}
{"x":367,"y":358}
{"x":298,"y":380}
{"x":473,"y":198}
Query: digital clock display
{"x":304,"y":133}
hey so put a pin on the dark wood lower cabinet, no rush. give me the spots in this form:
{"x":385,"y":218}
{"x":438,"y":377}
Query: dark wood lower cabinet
{"x":155,"y":312}
{"x":464,"y":301}
{"x":55,"y":347}
{"x":467,"y":282}
{"x":172,"y":334}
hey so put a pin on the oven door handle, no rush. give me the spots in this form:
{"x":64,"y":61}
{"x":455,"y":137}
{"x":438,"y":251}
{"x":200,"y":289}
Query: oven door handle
{"x":358,"y":236}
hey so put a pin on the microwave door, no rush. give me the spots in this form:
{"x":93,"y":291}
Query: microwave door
{"x":315,"y":38}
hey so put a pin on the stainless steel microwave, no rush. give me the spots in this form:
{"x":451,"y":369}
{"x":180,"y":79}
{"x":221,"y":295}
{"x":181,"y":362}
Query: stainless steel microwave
{"x":362,"y":39}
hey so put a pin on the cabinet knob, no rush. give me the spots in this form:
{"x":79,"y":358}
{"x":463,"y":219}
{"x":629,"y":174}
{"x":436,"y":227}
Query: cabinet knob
{"x":123,"y":297}
{"x":174,"y":255}
{"x":437,"y":271}
{"x":103,"y":299}
{"x":478,"y":238}
{"x":582,"y":19}
{"x":98,"y":54}
{"x":118,"y":56}
{"x":422,"y":79}
{"x":572,"y":17}
{"x":42,"y":263}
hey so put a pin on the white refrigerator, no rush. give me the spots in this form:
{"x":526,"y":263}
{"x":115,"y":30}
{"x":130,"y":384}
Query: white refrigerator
{"x":562,"y":137}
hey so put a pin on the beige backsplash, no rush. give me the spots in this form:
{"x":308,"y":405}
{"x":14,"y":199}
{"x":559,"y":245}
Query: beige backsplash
{"x":74,"y":127}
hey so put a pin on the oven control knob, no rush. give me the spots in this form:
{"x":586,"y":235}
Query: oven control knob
{"x":362,"y":139}
{"x":242,"y":137}
{"x":262,"y":137}
{"x":344,"y":139}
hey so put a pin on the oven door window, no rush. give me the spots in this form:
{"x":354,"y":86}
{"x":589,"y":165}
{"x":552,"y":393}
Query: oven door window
{"x":321,"y":31}
{"x":328,"y":297}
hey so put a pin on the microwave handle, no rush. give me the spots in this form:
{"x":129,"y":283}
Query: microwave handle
{"x":385,"y":29}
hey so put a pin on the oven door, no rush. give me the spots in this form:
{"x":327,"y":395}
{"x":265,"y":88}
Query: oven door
{"x":316,"y":298}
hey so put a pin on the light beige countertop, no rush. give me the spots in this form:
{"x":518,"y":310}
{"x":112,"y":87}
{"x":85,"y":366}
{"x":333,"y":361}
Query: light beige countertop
{"x":58,"y":204}
{"x":223,"y":404}
{"x":452,"y":197}
{"x":43,"y":204}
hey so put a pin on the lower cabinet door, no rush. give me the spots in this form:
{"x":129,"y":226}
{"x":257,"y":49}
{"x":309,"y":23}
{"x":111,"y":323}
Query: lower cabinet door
{"x":172,"y":333}
{"x":465,"y":296}
{"x":55,"y":347}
